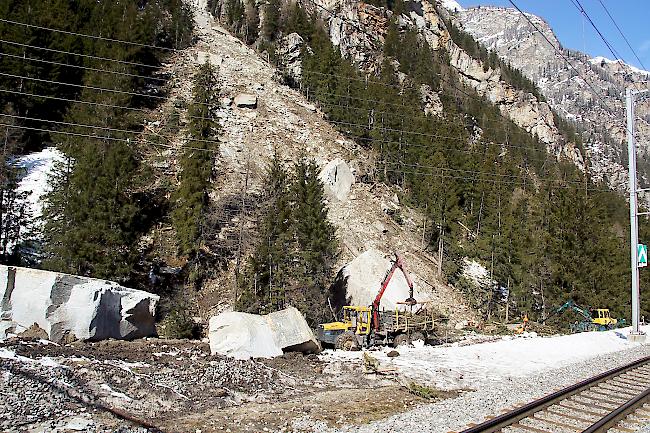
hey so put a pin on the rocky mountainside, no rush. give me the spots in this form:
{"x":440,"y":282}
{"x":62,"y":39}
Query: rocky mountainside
{"x":359,"y":29}
{"x":594,"y":99}
{"x":282,"y":119}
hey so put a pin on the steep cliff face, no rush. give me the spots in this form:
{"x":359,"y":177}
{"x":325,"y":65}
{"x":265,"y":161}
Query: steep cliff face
{"x":359,"y":29}
{"x":596,"y":102}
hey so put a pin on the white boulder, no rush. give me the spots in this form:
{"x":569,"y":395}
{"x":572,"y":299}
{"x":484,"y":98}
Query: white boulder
{"x":337,"y":179}
{"x":60,"y":304}
{"x":246,"y":100}
{"x":364,"y":276}
{"x":244,"y":335}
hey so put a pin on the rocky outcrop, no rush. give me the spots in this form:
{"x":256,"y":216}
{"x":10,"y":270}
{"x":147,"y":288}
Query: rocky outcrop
{"x":359,"y":30}
{"x":244,"y":336}
{"x":337,"y":179}
{"x":289,"y":52}
{"x":69,"y":306}
{"x":431,"y":101}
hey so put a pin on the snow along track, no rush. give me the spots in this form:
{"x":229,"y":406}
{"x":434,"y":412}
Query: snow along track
{"x":614,"y":399}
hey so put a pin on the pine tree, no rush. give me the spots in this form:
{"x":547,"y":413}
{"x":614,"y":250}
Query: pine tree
{"x":269,"y":269}
{"x":251,"y":30}
{"x":271,"y":19}
{"x":190,"y":200}
{"x":317,"y":246}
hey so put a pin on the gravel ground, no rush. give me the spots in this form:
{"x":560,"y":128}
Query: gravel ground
{"x":489,"y":399}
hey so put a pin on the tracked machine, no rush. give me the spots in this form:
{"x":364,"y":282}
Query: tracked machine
{"x":597,"y":319}
{"x":366,"y":326}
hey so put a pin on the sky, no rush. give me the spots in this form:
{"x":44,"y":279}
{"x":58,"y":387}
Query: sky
{"x":575,"y":31}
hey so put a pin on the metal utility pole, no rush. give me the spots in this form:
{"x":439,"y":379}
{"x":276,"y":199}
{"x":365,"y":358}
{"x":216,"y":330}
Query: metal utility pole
{"x":636,"y":334}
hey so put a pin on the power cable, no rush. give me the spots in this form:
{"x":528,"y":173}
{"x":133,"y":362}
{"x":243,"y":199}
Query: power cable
{"x":81,"y":86}
{"x":582,"y":10}
{"x":558,"y":52}
{"x":353,"y":24}
{"x":88,"y":56}
{"x":99,"y":137}
{"x":88,"y":36}
{"x":98,"y":104}
{"x":127,"y":140}
{"x":622,"y":34}
{"x":105,"y":128}
{"x":87,"y":68}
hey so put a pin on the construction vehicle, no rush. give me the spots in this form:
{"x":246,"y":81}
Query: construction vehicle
{"x":597,"y":319}
{"x":523,"y":327}
{"x":365,"y":326}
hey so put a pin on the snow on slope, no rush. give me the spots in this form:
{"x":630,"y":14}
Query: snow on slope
{"x":451,"y":5}
{"x":599,"y":60}
{"x":39,"y":166}
{"x":511,"y":358}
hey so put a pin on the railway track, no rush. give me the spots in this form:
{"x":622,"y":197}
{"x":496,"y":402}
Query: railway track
{"x":617,"y":401}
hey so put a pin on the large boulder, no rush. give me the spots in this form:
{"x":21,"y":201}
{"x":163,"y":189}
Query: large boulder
{"x":246,"y":100}
{"x":72,"y":306}
{"x":337,"y":179}
{"x":363,"y":277}
{"x":244,"y":335}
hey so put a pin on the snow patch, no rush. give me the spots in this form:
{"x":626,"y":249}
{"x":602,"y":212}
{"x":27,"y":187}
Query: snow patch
{"x":451,"y":5}
{"x":599,"y":60}
{"x":39,"y":166}
{"x":114,"y":393}
{"x":45,"y":361}
{"x":511,"y":358}
{"x":477,"y":273}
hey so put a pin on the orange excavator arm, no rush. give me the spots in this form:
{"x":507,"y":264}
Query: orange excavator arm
{"x":398,"y":263}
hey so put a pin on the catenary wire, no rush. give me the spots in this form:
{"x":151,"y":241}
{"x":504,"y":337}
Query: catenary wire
{"x":87,"y":68}
{"x":105,"y":128}
{"x":621,"y":33}
{"x":87,"y":36}
{"x":88,"y":56}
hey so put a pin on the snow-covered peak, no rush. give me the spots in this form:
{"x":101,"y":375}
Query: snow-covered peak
{"x":600,"y":60}
{"x":451,"y":5}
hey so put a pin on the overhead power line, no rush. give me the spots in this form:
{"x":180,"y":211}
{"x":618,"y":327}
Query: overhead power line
{"x":106,"y":128}
{"x":609,"y":46}
{"x":88,"y":36}
{"x":87,"y":56}
{"x":86,"y":68}
{"x":97,"y":104}
{"x":184,"y":147}
{"x":109,"y":138}
{"x":558,"y":52}
{"x":81,"y":86}
{"x":622,"y":34}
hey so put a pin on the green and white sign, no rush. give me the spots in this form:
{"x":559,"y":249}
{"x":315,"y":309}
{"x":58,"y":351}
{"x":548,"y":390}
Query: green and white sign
{"x":642,"y":255}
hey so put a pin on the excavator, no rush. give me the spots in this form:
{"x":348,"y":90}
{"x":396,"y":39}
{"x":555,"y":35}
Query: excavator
{"x":597,"y":319}
{"x":366,"y":326}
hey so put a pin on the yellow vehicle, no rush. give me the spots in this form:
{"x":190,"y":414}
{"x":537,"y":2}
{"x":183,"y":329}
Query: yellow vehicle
{"x":600,"y":316}
{"x":408,"y":322}
{"x":367,"y":326}
{"x":343,"y":334}
{"x":594,"y":319}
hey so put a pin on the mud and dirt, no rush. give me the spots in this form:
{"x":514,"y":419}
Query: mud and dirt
{"x":177,"y":386}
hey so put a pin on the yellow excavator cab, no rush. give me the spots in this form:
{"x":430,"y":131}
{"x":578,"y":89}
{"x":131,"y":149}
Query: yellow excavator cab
{"x":600,"y":316}
{"x":355,"y":318}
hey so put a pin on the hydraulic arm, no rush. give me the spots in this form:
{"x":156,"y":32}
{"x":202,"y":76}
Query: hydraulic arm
{"x":398,"y":263}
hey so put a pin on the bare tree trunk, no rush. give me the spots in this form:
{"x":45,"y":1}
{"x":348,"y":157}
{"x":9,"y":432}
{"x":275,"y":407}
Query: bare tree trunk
{"x":480,"y":214}
{"x":508,"y":302}
{"x":241,"y":228}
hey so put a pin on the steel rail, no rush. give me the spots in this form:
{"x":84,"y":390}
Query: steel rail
{"x":512,"y":417}
{"x":616,"y":416}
